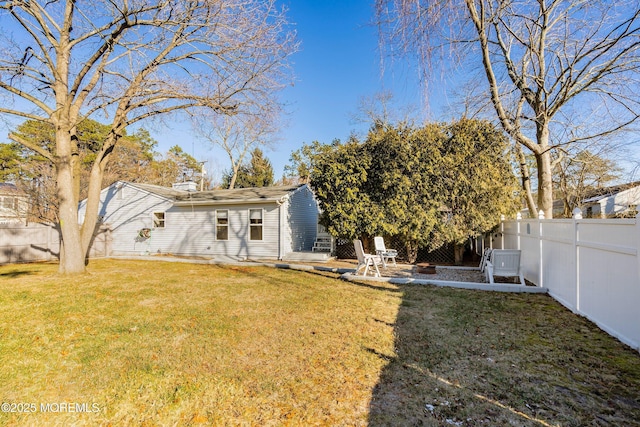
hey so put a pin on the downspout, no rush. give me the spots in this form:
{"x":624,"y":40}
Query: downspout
{"x":281,"y":218}
{"x":280,"y":233}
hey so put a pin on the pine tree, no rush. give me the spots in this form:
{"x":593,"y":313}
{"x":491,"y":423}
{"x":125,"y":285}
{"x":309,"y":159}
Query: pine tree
{"x":258,"y":173}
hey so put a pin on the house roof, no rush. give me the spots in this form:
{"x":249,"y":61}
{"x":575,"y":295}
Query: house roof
{"x":6,"y":187}
{"x":602,"y":193}
{"x":166,"y":192}
{"x":236,"y":195}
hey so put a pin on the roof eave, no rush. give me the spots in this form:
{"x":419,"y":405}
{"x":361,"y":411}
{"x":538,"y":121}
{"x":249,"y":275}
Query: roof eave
{"x":225,"y":202}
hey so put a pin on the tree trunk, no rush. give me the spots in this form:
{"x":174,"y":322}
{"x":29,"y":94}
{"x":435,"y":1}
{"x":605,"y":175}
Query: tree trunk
{"x":526,"y":180}
{"x":93,"y":204}
{"x":412,"y":251}
{"x":458,"y":253}
{"x":543,"y":162}
{"x":234,"y":176}
{"x":72,"y":256}
{"x":545,"y":184}
{"x":66,"y":158}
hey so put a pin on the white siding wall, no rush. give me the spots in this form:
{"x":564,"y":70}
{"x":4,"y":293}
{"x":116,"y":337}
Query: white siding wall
{"x":302,"y":220}
{"x":620,"y":202}
{"x":13,"y":208}
{"x":191,"y":231}
{"x":126,"y":214}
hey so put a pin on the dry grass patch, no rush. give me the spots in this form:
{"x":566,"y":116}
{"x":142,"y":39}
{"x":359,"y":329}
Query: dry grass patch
{"x":166,"y":344}
{"x":155,"y":343}
{"x":469,"y":358}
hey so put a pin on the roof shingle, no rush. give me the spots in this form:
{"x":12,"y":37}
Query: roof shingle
{"x":217,"y":196}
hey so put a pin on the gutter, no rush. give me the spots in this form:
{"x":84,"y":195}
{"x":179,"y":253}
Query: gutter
{"x":226,"y":202}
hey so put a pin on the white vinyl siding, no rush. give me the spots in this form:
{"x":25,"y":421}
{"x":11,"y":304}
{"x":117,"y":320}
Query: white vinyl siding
{"x":191,"y":230}
{"x":128,"y":215}
{"x":302,"y":220}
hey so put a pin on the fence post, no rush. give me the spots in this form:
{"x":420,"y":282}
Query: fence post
{"x":540,"y":249}
{"x":577,"y":214}
{"x":638,"y":244}
{"x":518,"y":219}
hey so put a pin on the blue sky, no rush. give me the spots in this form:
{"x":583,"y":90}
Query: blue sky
{"x":339,"y":62}
{"x":337,"y":65}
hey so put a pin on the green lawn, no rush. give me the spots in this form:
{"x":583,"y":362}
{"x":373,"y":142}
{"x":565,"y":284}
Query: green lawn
{"x":156,"y":343}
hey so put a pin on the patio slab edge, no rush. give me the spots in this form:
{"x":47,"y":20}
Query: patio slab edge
{"x":347,"y":274}
{"x":231,"y":261}
{"x":496,"y":287}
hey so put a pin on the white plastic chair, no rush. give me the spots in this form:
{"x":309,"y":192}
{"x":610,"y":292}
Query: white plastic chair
{"x":486,"y":256}
{"x":504,"y":263}
{"x":384,"y":253}
{"x":366,"y":260}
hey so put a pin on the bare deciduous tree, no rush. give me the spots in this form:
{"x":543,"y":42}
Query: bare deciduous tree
{"x":125,"y":61}
{"x":544,"y":61}
{"x":238,"y":135}
{"x":380,"y":109}
{"x":578,"y":174}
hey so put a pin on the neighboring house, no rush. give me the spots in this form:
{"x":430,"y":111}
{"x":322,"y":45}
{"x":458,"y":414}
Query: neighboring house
{"x":612,"y":202}
{"x":14,"y":204}
{"x":268,"y":222}
{"x":618,"y":201}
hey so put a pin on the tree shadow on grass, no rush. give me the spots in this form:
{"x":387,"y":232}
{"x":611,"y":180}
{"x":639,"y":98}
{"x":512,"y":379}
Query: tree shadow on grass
{"x":469,"y":358}
{"x":15,"y":273}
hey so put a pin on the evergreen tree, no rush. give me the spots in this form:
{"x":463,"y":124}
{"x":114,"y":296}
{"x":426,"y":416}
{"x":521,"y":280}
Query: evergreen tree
{"x":440,"y":183}
{"x":257,"y":173}
{"x":133,"y":159}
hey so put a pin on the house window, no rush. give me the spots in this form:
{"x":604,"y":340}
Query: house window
{"x":222,"y":225}
{"x":158,"y":220}
{"x":255,"y":224}
{"x":10,"y":203}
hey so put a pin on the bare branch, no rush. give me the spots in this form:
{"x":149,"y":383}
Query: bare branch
{"x":33,"y":147}
{"x":557,"y":55}
{"x":129,"y":60}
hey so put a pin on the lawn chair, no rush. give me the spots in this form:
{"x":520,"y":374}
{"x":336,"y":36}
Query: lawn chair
{"x":504,"y":263}
{"x":384,"y":253}
{"x":366,"y":260}
{"x":486,"y":257}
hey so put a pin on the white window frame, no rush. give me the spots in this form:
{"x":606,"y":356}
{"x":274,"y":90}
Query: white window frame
{"x":159,"y":222}
{"x":222,"y":225}
{"x":261,"y":225}
{"x":10,"y":202}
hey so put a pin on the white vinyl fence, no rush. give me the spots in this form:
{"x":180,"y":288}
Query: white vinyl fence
{"x":41,"y":242}
{"x":592,"y":266}
{"x":27,"y":243}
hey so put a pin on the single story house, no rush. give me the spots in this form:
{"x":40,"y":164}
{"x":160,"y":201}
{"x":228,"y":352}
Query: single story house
{"x":244,"y":223}
{"x":618,"y":201}
{"x":14,"y":204}
{"x":612,"y":202}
